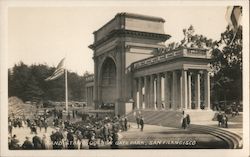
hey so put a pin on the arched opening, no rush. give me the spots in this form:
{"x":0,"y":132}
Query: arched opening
{"x":108,"y":82}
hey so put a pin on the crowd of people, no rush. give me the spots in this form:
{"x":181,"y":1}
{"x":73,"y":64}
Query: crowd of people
{"x":33,"y":124}
{"x":222,"y":118}
{"x":90,"y":132}
{"x":235,"y":109}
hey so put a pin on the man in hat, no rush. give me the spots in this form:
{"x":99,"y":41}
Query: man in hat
{"x":37,"y":141}
{"x":92,"y":142}
{"x":142,"y":123}
{"x":27,"y":144}
{"x":219,"y":118}
{"x":58,"y":139}
{"x":70,"y":139}
{"x":14,"y":143}
{"x":126,"y":123}
{"x":138,"y":121}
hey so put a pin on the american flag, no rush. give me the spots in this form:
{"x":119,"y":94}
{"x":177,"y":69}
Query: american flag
{"x":58,"y":72}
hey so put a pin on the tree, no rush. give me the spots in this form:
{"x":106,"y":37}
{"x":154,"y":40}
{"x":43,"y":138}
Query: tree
{"x":18,"y":80}
{"x":28,"y":83}
{"x":226,"y":63}
{"x":192,"y":40}
{"x":227,"y":66}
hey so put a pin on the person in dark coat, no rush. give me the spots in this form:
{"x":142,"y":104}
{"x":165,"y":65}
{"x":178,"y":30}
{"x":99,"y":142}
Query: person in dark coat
{"x":37,"y":142}
{"x":14,"y":143}
{"x":138,"y":121}
{"x":28,"y":123}
{"x":27,"y":144}
{"x":58,"y":143}
{"x":184,"y":120}
{"x":126,"y":123}
{"x":142,"y":123}
{"x":219,"y":118}
{"x":188,"y":120}
{"x":70,"y":139}
{"x":105,"y":133}
{"x":114,"y":140}
{"x":53,"y":139}
{"x":33,"y":128}
{"x":225,"y":120}
{"x":92,"y":142}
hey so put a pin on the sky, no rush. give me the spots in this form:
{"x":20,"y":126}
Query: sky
{"x":45,"y":35}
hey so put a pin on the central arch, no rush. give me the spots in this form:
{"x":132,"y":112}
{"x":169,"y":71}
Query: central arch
{"x":108,"y":89}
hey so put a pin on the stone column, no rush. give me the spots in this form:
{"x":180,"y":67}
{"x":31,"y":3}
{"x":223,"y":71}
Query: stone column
{"x":140,"y":91}
{"x":180,"y":92}
{"x":166,"y":91}
{"x":151,"y":96}
{"x":158,"y":93}
{"x":135,"y":92}
{"x":119,"y":81}
{"x":96,"y":83}
{"x":207,"y":90}
{"x":155,"y":93}
{"x":189,"y":90}
{"x":146,"y":91}
{"x":92,"y":94}
{"x":197,"y":91}
{"x":174,"y":90}
{"x":184,"y":89}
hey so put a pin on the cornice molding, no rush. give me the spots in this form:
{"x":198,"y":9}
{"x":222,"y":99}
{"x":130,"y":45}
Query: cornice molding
{"x":130,"y":33}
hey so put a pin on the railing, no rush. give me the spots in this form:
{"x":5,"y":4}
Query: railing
{"x":185,"y":52}
{"x":89,"y":78}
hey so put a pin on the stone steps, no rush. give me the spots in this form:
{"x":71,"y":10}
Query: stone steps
{"x":201,"y":115}
{"x":234,"y":141}
{"x":173,"y":119}
{"x":162,"y":118}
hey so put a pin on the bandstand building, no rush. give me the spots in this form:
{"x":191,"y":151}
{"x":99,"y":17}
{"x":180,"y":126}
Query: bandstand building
{"x":134,"y":70}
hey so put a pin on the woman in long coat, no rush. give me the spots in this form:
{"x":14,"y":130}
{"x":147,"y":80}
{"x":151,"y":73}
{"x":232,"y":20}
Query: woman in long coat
{"x":184,"y":120}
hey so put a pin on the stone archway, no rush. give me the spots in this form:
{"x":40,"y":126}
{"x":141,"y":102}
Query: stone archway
{"x":108,"y":89}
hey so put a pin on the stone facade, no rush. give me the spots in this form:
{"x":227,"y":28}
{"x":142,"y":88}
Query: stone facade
{"x":89,"y":90}
{"x":126,"y":67}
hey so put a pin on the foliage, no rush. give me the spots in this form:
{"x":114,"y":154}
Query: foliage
{"x":192,"y":40}
{"x":227,"y":66}
{"x":28,"y":83}
{"x":226,"y":63}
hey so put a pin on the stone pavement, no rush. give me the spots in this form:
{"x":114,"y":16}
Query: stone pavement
{"x":153,"y":133}
{"x":235,"y":124}
{"x":156,"y":136}
{"x":167,"y":137}
{"x":23,"y":132}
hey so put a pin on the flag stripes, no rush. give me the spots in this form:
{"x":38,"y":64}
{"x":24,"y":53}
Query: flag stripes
{"x":55,"y":75}
{"x":233,"y":16}
{"x":58,"y":72}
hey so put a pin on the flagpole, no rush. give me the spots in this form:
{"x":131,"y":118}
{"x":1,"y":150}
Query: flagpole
{"x":66,"y":91}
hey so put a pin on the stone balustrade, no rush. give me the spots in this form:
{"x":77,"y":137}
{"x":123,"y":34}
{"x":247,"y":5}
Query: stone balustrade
{"x":178,"y":53}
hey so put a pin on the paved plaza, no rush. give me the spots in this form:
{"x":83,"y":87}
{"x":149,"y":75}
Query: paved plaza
{"x":159,"y":137}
